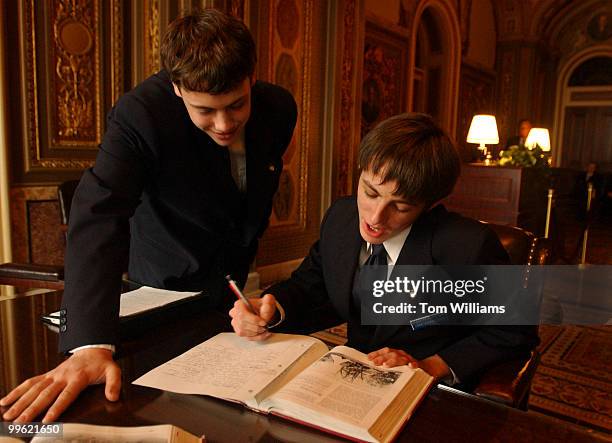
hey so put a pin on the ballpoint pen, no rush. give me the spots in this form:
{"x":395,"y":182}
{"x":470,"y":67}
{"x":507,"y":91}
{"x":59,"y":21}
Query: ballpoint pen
{"x":238,"y":293}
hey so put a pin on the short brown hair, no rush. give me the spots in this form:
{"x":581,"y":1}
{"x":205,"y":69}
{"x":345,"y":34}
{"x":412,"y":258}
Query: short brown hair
{"x":412,"y":150}
{"x":208,"y":51}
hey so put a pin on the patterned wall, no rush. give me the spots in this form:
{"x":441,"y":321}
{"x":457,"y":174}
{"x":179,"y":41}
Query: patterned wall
{"x":476,"y":96}
{"x":290,"y":46}
{"x":36,"y":235}
{"x":288,"y":53}
{"x":385,"y":59}
{"x":68,"y":69}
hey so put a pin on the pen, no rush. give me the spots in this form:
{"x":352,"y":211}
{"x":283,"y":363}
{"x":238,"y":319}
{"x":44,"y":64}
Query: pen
{"x":238,"y":293}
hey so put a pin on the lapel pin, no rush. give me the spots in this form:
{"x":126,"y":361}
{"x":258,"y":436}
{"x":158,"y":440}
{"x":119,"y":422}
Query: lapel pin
{"x":271,"y":168}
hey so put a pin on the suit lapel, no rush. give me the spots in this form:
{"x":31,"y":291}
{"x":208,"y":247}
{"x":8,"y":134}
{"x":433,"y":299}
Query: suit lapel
{"x":344,"y":262}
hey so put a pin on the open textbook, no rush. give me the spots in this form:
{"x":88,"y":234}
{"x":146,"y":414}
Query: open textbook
{"x":76,"y":432}
{"x":298,"y":378}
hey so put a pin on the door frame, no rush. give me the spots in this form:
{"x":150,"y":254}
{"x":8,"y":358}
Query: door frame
{"x":5,"y":218}
{"x":564,"y":95}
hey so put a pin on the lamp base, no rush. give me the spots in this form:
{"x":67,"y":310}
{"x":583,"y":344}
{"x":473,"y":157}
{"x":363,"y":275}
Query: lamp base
{"x":488,"y":158}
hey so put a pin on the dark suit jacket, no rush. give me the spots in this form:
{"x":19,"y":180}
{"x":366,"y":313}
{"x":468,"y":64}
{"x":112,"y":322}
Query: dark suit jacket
{"x":582,"y":185}
{"x":163,"y":189}
{"x":318,"y":293}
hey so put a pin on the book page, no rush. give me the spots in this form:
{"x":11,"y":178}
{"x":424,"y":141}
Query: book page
{"x":76,"y":432}
{"x":343,"y":391}
{"x":147,"y":298}
{"x":228,"y":366}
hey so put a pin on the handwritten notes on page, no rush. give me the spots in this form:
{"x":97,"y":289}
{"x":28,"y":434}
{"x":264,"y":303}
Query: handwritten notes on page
{"x":228,"y":366}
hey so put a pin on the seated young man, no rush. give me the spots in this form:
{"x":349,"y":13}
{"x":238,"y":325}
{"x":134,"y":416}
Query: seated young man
{"x":407,"y":165}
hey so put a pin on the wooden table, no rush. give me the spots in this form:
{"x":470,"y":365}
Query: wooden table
{"x":28,"y":348}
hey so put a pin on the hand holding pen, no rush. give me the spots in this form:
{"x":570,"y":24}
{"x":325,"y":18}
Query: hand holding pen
{"x":251,"y":318}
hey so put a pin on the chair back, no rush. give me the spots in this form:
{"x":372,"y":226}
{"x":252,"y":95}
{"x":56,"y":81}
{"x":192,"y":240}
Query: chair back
{"x":522,"y":246}
{"x":509,"y":382}
{"x":33,"y":275}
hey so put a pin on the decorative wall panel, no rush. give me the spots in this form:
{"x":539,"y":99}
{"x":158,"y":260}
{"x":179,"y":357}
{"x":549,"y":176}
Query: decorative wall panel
{"x":290,"y":49}
{"x":384,"y":75}
{"x":67,"y":68}
{"x":237,"y":8}
{"x":75,"y":96}
{"x":69,"y":72}
{"x":152,"y":37}
{"x":36,"y":233}
{"x":348,"y":95}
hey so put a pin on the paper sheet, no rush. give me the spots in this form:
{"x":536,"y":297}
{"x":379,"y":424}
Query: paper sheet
{"x":147,"y":298}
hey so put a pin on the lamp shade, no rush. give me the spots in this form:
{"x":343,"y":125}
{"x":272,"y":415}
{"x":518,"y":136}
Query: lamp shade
{"x":540,"y":137}
{"x":483,"y":130}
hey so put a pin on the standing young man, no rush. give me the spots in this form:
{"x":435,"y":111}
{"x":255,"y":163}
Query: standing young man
{"x":180,"y":193}
{"x":408,"y":164}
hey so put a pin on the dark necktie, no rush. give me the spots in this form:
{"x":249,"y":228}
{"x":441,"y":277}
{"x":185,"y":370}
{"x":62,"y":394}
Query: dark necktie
{"x":378,"y":257}
{"x":361,"y":336}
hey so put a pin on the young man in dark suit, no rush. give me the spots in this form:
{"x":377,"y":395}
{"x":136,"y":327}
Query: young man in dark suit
{"x":407,"y":165}
{"x":180,"y":193}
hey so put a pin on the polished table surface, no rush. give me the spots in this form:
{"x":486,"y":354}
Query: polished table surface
{"x":28,"y":348}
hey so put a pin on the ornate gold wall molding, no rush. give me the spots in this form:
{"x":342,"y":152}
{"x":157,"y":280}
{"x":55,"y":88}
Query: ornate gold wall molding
{"x":237,"y":8}
{"x":75,"y":95}
{"x":68,"y":79}
{"x":151,"y":37}
{"x":350,"y":46}
{"x":290,"y":67}
{"x":117,"y":41}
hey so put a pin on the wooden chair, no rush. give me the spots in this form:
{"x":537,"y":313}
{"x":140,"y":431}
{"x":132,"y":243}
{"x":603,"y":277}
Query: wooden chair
{"x":509,"y":383}
{"x":33,"y":275}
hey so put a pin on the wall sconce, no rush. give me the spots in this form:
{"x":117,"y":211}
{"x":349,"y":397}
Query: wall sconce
{"x":483,"y":130}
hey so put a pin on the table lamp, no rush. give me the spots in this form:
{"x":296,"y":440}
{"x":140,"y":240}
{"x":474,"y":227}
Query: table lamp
{"x":540,"y":137}
{"x":483,"y":130}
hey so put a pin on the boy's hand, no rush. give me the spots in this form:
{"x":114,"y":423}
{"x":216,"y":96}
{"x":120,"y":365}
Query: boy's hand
{"x":251,"y":326}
